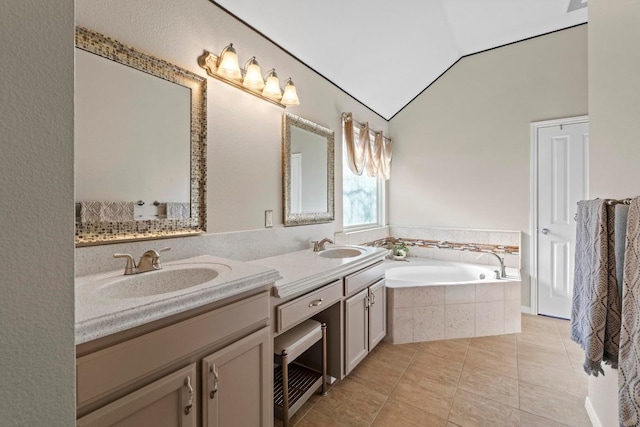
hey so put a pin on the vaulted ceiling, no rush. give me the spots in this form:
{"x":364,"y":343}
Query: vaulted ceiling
{"x":384,"y":53}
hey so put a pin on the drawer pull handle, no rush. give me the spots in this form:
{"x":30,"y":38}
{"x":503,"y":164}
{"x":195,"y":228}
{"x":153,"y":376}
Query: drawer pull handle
{"x":316,"y":302}
{"x":214,"y":377}
{"x":373,"y":299}
{"x":187,"y":383}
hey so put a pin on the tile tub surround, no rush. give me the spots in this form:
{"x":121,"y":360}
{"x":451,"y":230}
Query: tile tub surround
{"x":436,"y":312}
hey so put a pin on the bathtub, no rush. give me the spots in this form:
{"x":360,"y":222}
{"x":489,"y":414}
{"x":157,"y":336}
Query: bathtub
{"x":431,"y":300}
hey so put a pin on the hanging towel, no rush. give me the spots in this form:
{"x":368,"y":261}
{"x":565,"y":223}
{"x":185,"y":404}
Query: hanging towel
{"x":178,"y":210}
{"x":629,"y":364}
{"x":595,"y":314}
{"x":622,"y":211}
{"x":94,"y":211}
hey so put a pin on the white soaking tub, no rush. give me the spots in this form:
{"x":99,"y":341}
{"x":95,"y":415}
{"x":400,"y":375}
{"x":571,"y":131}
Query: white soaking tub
{"x":433,"y":300}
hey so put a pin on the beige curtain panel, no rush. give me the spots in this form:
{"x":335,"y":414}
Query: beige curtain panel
{"x":362,"y":153}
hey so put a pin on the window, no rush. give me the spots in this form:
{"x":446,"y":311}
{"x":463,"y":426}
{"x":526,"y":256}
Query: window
{"x":362,"y":196}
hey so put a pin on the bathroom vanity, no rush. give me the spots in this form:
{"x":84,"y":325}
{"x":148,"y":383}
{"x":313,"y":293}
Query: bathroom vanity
{"x":343,"y":287}
{"x":192,"y":344}
{"x":185,"y":358}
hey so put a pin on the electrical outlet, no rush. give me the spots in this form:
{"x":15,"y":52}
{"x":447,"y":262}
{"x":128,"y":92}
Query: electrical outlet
{"x":268,"y":219}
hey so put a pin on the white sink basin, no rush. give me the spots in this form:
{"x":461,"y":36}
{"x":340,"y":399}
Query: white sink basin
{"x":341,"y":252}
{"x":170,"y":279}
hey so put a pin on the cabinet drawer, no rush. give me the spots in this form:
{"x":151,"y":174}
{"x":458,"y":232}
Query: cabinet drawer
{"x":106,"y":371}
{"x":363,"y":278}
{"x":302,"y":308}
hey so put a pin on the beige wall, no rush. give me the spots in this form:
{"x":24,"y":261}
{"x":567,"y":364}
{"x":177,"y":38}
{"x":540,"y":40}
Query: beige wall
{"x":614,"y":109}
{"x":244,"y":138}
{"x":462,"y":157}
{"x":36,"y":214}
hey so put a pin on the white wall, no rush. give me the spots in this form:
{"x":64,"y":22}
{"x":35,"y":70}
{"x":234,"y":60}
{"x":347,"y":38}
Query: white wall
{"x":614,"y":110}
{"x":36,"y":214}
{"x":244,"y":137}
{"x":244,"y":144}
{"x":462,"y":154}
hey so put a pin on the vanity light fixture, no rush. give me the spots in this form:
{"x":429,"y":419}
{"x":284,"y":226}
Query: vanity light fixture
{"x":249,"y":79}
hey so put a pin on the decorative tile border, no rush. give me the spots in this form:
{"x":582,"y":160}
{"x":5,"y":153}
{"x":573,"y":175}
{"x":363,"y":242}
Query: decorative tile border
{"x":425,"y":243}
{"x":96,"y":233}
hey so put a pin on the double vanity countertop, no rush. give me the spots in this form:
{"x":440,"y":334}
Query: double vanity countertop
{"x":303,"y":271}
{"x":108,"y":303}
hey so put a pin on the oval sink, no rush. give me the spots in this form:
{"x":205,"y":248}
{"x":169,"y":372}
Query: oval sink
{"x":157,"y":282}
{"x":338,"y":252}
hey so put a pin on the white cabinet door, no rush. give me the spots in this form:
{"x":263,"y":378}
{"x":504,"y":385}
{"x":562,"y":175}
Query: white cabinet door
{"x":377,"y":313}
{"x":168,"y":402}
{"x":357,"y":329}
{"x":562,"y":182}
{"x":237,"y":383}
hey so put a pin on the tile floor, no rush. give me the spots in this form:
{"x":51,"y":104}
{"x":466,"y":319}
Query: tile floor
{"x":533,"y":378}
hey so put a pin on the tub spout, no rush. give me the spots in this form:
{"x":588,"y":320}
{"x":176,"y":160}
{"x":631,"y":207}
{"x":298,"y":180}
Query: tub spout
{"x":502,"y":273}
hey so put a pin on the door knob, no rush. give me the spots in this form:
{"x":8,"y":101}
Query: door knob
{"x":545,"y":231}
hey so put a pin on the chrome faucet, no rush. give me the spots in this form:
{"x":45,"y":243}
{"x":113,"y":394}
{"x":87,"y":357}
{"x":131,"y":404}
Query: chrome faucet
{"x":319,"y":246}
{"x":149,"y":261}
{"x":502,"y":273}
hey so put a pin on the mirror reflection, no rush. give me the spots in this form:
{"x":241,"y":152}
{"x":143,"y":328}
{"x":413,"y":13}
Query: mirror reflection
{"x":140,"y":128}
{"x":308,"y":162}
{"x":132,"y":133}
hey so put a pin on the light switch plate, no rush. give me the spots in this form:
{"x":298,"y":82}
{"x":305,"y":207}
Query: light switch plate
{"x":268,"y":219}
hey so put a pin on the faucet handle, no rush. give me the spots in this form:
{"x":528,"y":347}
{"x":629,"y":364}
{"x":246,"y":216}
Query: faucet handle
{"x":316,"y":247}
{"x":164,"y":249}
{"x":130,"y":268}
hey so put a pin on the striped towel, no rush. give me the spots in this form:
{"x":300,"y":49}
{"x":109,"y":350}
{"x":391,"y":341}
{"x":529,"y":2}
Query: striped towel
{"x":595,"y":314}
{"x":629,"y":364}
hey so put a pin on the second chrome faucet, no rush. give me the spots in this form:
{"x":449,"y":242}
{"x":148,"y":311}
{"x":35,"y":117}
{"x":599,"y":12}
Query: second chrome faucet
{"x":319,"y":245}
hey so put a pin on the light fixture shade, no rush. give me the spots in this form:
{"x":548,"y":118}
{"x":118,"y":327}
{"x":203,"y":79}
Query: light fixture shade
{"x":228,"y":63}
{"x":272,"y":86}
{"x":253,"y":76}
{"x":290,"y":96}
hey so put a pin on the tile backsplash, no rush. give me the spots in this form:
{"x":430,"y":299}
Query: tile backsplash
{"x":446,"y":244}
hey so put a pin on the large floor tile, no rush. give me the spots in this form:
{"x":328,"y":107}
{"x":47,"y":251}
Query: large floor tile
{"x":379,"y":375}
{"x":543,"y":356}
{"x":489,"y":384}
{"x":530,"y":420}
{"x":427,"y":394}
{"x":545,"y":402}
{"x":398,"y":354}
{"x":451,"y":350}
{"x":400,"y":414}
{"x":505,"y":344}
{"x":553,"y":342}
{"x":471,"y":410}
{"x":561,"y":380}
{"x":350,"y":400}
{"x":441,"y":370}
{"x":503,"y":364}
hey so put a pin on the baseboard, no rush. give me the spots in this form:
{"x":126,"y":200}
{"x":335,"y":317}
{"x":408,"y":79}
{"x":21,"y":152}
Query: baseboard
{"x":525,"y":309}
{"x":593,"y":417}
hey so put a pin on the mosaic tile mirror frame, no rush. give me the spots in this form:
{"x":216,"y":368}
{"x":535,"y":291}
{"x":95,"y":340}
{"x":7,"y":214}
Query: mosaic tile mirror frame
{"x":104,"y":232}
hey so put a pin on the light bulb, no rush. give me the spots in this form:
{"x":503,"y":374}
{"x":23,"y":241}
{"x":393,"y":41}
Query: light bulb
{"x":290,"y":96}
{"x":253,"y":77}
{"x":272,"y":86}
{"x":228,"y":63}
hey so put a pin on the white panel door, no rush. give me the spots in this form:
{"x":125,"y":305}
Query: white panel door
{"x":562,"y":182}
